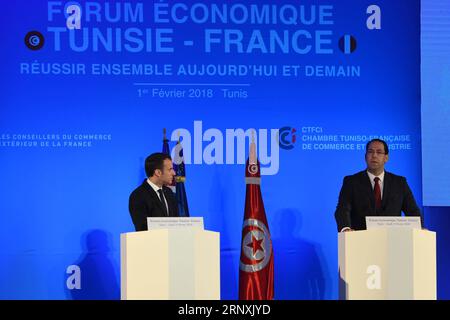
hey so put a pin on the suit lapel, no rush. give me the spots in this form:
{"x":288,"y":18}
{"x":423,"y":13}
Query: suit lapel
{"x":168,"y":196}
{"x":154,"y":195}
{"x":169,"y":213}
{"x":386,"y":188}
{"x":367,"y":187}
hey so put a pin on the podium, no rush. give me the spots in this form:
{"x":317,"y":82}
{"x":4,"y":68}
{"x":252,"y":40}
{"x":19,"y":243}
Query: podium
{"x":387,"y":264}
{"x":170,"y":264}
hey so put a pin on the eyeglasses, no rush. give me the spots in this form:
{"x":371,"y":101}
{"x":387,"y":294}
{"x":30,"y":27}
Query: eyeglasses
{"x":377,"y":152}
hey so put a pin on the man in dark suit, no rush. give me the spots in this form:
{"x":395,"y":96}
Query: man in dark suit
{"x":152,"y":198}
{"x":373,"y":192}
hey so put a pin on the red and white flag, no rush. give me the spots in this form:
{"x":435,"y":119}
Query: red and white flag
{"x":256,"y":270}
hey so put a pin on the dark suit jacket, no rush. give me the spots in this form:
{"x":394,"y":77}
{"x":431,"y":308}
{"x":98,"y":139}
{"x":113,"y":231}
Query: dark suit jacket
{"x":356,"y":200}
{"x":144,"y":202}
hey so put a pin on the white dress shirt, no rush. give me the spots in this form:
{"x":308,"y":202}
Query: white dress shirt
{"x":156,"y":188}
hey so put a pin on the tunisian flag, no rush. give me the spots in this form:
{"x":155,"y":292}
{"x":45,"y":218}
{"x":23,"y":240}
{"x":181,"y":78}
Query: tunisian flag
{"x":256,"y":263}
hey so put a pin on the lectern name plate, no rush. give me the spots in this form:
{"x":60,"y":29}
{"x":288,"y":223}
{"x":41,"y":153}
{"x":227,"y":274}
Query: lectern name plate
{"x":175,"y":223}
{"x":393,"y":222}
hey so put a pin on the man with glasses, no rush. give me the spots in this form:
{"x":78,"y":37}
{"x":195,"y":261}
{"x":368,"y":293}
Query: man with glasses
{"x":373,"y":192}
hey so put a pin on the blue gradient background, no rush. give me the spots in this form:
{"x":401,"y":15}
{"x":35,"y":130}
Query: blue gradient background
{"x":63,"y":206}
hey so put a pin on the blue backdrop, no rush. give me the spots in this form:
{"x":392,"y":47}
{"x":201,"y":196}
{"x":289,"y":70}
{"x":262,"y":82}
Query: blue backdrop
{"x":435,"y":74}
{"x":84,"y":101}
{"x":435,"y":71}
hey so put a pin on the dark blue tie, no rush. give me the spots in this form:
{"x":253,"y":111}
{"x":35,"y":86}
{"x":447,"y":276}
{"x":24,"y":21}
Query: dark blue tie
{"x":161,"y":197}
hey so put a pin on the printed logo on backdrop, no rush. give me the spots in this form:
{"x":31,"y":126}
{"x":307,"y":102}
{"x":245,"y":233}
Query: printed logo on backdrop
{"x":74,"y":141}
{"x":34,"y":40}
{"x":288,"y":138}
{"x":317,"y":139}
{"x":155,"y":27}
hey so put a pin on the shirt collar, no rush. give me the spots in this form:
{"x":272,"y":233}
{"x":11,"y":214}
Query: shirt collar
{"x":154,"y":186}
{"x":372,"y":176}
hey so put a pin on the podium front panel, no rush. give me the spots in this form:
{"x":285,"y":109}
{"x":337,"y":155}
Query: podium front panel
{"x":144,"y":265}
{"x":389,"y":263}
{"x":175,"y":264}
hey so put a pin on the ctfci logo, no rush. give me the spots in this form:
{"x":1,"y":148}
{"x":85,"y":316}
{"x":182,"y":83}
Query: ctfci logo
{"x":287,"y":137}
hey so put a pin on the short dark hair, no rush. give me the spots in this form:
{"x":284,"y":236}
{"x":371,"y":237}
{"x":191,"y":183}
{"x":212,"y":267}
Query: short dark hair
{"x":386,"y":149}
{"x":155,"y":161}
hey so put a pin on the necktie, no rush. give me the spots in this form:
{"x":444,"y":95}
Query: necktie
{"x":377,"y":193}
{"x":161,"y":197}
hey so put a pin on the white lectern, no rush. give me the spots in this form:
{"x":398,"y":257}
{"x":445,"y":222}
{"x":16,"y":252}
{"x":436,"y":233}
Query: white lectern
{"x":170,"y":264}
{"x":387,"y":263}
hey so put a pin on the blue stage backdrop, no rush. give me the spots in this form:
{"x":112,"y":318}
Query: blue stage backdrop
{"x":436,"y":102}
{"x":87,"y":88}
{"x":435,"y":74}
